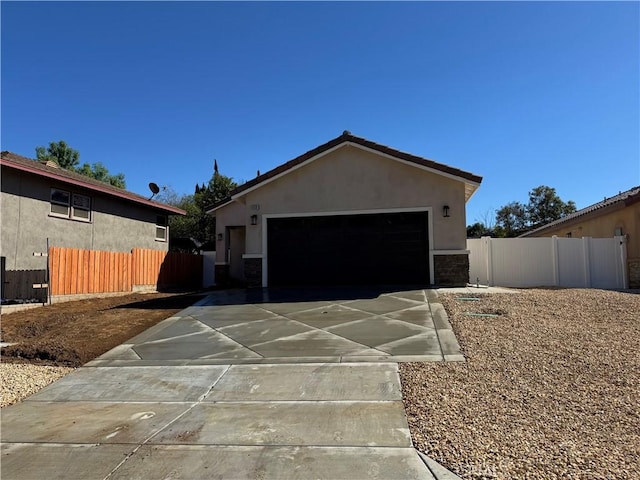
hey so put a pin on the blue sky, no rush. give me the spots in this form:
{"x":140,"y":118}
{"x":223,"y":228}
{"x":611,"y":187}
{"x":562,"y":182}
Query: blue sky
{"x":523,"y":94}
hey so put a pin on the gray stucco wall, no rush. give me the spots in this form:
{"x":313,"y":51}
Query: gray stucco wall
{"x":116,"y":225}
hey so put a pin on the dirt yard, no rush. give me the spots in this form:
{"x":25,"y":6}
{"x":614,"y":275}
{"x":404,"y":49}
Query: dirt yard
{"x":72,"y":333}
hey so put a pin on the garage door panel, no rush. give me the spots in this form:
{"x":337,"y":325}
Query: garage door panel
{"x":348,"y":249}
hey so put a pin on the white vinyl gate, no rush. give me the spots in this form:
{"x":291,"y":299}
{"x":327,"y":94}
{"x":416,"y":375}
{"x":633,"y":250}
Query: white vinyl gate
{"x":550,"y":261}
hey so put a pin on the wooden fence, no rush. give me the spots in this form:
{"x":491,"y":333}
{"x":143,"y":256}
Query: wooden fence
{"x":18,"y":284}
{"x":74,"y":271}
{"x":166,"y":269}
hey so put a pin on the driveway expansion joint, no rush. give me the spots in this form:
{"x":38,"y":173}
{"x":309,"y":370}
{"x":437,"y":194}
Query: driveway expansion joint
{"x":158,"y":431}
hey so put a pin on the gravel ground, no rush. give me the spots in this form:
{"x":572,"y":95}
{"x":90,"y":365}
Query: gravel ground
{"x":19,"y":380}
{"x":550,"y":389}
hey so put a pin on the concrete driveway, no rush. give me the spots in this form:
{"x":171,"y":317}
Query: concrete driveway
{"x":245,"y":384}
{"x":297,"y":325}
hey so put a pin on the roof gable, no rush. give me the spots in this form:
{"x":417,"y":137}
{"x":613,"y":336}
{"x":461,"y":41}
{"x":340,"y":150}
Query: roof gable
{"x":471,"y":181}
{"x":45,"y":170}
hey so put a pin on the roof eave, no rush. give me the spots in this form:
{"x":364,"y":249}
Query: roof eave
{"x":90,"y":186}
{"x":469,"y":189}
{"x":577,"y":216}
{"x":470,"y":185}
{"x":218,"y":205}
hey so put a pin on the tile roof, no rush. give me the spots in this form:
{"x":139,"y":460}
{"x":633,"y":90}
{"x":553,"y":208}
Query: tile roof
{"x":347,"y":137}
{"x":18,"y":162}
{"x":629,"y":197}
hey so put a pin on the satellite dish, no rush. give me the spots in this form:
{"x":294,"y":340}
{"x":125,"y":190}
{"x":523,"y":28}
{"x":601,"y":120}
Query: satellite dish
{"x":154,"y":189}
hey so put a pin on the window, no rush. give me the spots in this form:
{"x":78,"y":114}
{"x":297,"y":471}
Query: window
{"x":60,"y":203}
{"x":161,"y":228}
{"x":81,"y":208}
{"x":67,"y":205}
{"x":617,"y":232}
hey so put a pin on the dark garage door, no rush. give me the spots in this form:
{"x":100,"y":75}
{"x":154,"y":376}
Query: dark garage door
{"x":369,"y":249}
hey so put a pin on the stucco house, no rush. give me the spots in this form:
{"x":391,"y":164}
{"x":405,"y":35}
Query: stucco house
{"x":350,"y":211}
{"x":41,"y":201}
{"x":613,"y":216}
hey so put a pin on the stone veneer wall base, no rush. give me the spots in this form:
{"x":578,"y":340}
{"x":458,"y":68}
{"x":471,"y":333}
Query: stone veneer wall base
{"x":634,"y":272}
{"x":451,"y":270}
{"x":253,"y":272}
{"x":222,"y":274}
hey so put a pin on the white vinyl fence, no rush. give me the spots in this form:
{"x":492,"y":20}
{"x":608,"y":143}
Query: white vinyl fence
{"x":208,"y":269}
{"x":546,"y":262}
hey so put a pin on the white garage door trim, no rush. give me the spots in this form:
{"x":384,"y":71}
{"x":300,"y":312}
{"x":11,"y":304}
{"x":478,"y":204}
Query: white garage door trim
{"x":267,"y":216}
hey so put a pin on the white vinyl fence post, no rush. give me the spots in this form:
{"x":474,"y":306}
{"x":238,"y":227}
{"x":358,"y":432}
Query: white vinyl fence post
{"x":555,"y":260}
{"x":489,"y":256}
{"x":621,"y":243}
{"x":586,"y":251}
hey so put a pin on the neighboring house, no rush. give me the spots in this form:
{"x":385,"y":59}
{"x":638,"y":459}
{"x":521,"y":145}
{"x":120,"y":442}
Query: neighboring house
{"x":350,"y":211}
{"x":41,"y":201}
{"x":614,"y":216}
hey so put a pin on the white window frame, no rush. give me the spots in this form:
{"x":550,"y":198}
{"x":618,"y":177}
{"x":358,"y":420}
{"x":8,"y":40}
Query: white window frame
{"x":162,"y":225}
{"x":84,"y":206}
{"x":53,"y":202}
{"x":75,"y":202}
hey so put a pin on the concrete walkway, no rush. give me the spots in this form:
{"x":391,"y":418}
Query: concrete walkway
{"x":247,"y":385}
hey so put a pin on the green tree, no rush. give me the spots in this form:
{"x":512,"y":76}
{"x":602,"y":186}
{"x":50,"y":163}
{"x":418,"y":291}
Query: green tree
{"x":101,"y":173}
{"x":218,"y":188}
{"x":196,"y":224}
{"x":483,"y":227}
{"x":185,"y":227}
{"x":61,"y":153}
{"x":511,"y":219}
{"x":69,"y":159}
{"x":546,"y":206}
{"x":478,"y":230}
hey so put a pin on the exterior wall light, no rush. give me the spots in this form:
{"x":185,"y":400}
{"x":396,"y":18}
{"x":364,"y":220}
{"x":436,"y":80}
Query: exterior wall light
{"x":254,"y":219}
{"x":220,"y":237}
{"x":445,"y":211}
